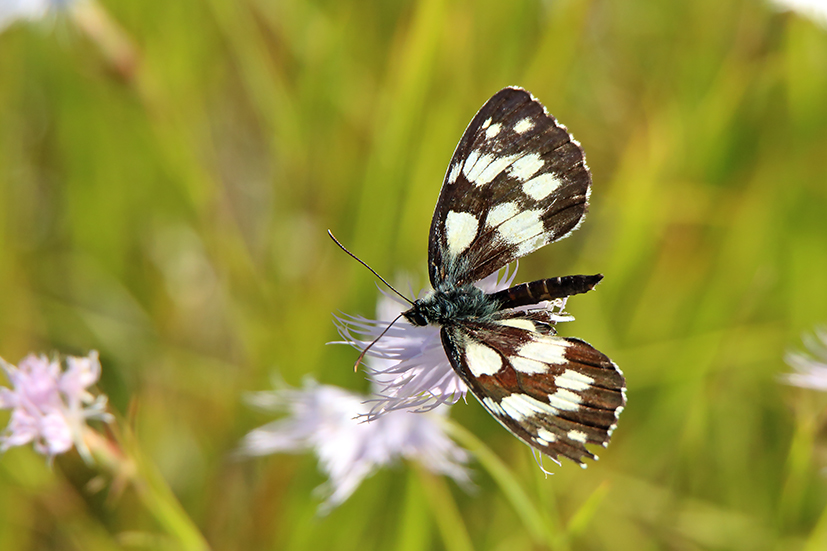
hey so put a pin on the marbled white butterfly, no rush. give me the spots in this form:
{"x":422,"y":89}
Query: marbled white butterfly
{"x":517,"y":181}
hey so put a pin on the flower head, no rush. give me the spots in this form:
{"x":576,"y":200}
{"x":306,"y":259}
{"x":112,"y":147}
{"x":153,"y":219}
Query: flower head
{"x":409,"y":368}
{"x":815,"y":10}
{"x":353,"y":435}
{"x":325,"y":419}
{"x":50,"y":405}
{"x":811,"y":369}
{"x":11,"y":10}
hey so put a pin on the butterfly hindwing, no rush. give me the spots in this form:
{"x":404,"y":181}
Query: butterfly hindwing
{"x":517,"y":181}
{"x":554,"y":393}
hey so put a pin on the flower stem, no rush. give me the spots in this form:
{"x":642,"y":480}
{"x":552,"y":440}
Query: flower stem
{"x":129,"y":466}
{"x":531,"y":517}
{"x":454,"y":533}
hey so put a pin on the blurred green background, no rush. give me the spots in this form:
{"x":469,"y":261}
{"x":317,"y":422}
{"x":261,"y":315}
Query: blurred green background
{"x":167,"y":174}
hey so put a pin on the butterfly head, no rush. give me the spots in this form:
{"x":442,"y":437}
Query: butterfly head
{"x":415,"y":316}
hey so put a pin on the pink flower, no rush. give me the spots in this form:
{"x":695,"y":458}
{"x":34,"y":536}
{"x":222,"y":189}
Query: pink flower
{"x":326,"y":420}
{"x":50,"y":405}
{"x":814,"y":10}
{"x":811,"y":369}
{"x":354,"y":435}
{"x":409,"y":368}
{"x":11,"y":10}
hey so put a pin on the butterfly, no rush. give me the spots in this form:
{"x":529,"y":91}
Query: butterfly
{"x":517,"y":181}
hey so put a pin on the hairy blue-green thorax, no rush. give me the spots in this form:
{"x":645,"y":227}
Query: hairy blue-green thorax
{"x":450,"y":303}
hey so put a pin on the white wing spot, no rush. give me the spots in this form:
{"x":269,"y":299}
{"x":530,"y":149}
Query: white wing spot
{"x":541,"y":186}
{"x":524,"y":125}
{"x":516,"y":408}
{"x":546,"y":435}
{"x":492,"y":167}
{"x":454,"y":174}
{"x":529,"y":367}
{"x":522,"y":227}
{"x":532,"y":244}
{"x":577,"y":436}
{"x":528,"y":325}
{"x":547,"y":350}
{"x":565,"y":399}
{"x":522,"y":406}
{"x":470,"y":161}
{"x":480,"y":164}
{"x":573,"y":380}
{"x":493,"y":130}
{"x":460,"y":230}
{"x":526,"y":166}
{"x":491,"y":404}
{"x":482,"y":360}
{"x":486,"y":123}
{"x":500,"y":213}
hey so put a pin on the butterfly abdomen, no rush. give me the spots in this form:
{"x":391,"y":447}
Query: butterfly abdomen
{"x":452,"y":303}
{"x":545,"y":289}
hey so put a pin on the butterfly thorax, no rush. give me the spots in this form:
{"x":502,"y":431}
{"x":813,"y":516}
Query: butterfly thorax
{"x":451,"y":303}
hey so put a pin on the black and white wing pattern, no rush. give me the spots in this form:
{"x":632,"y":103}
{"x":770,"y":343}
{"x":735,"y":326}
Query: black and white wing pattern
{"x":556,"y":394}
{"x":518,"y":181}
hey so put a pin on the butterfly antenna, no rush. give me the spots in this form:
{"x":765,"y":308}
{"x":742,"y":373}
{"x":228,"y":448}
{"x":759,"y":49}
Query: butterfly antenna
{"x":360,"y":261}
{"x":368,"y":347}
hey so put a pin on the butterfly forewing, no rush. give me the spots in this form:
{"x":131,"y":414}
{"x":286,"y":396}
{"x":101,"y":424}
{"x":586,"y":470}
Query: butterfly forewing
{"x":556,"y":394}
{"x":517,"y":181}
